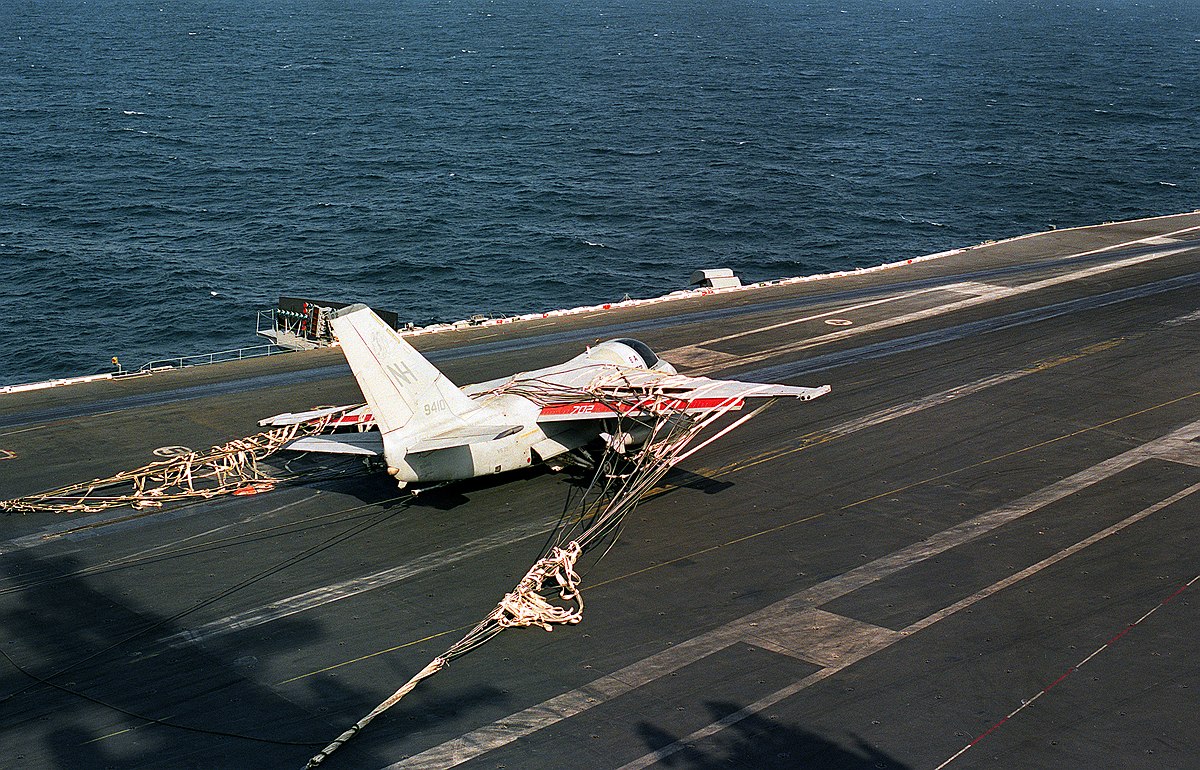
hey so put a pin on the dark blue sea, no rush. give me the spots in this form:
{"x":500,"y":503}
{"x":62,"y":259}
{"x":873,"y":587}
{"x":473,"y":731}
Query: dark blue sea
{"x":168,"y":168}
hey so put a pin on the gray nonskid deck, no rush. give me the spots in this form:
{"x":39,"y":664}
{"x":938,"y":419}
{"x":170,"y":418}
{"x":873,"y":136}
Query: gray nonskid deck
{"x":983,"y":537}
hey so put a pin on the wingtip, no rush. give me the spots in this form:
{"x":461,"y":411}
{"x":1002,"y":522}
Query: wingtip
{"x":808,"y":394}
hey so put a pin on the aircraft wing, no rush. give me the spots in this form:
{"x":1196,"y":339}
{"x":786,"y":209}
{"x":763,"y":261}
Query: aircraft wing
{"x":469,"y":434}
{"x":369,"y":444}
{"x":615,"y":390}
{"x":633,"y":392}
{"x":333,"y":416}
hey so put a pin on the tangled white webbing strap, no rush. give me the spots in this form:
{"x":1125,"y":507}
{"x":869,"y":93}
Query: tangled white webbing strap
{"x":434,"y":666}
{"x":193,"y":475}
{"x":525,"y":606}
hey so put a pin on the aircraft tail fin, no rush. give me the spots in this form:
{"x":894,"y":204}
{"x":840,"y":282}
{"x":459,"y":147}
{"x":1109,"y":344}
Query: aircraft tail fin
{"x":403,"y":389}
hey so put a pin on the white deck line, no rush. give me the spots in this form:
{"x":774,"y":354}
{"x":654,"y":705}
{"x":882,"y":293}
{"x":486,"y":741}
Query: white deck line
{"x":354,"y":586}
{"x":701,"y":354}
{"x":689,"y":294}
{"x":776,"y":697}
{"x":345,"y":589}
{"x":745,"y":629}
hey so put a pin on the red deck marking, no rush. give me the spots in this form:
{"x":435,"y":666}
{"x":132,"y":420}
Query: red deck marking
{"x":989,"y":731}
{"x":1124,"y":631}
{"x":1050,"y":686}
{"x":1069,"y":671}
{"x":1179,"y":590}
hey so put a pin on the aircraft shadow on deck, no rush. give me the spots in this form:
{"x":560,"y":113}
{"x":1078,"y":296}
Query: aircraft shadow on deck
{"x":352,"y":476}
{"x":344,"y":475}
{"x":453,"y":494}
{"x":681,"y":477}
{"x":759,"y":742}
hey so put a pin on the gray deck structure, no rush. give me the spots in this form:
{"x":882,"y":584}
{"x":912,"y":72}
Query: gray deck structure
{"x":984,"y":535}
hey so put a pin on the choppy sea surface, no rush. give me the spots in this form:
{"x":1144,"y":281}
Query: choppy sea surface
{"x":168,"y":168}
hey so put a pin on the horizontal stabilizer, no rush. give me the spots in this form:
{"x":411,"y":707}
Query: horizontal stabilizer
{"x":297,"y":418}
{"x":471,"y":434}
{"x":369,"y":444}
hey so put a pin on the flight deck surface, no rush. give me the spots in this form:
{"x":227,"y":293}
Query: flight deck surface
{"x":977,"y":551}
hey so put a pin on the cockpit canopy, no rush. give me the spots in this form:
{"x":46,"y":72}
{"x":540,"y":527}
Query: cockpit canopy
{"x":649,"y":357}
{"x":630,"y":352}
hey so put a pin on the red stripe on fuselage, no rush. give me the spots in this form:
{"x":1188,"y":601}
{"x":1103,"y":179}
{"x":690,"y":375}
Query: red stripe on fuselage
{"x":586,"y":409}
{"x":583,"y":409}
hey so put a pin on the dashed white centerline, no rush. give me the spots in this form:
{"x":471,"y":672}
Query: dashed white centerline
{"x":352,"y":587}
{"x":701,"y":355}
{"x":1026,"y":703}
{"x":780,"y":695}
{"x":746,"y":629}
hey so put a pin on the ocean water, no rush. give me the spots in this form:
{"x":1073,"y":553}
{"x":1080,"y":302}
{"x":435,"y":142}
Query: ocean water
{"x":168,"y":168}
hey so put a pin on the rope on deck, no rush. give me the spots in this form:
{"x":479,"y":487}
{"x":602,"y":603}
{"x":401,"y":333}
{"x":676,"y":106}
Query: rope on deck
{"x":618,"y":485}
{"x":231,"y":468}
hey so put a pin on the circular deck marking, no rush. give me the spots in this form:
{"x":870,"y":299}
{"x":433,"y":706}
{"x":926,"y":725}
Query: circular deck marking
{"x":7,"y":454}
{"x":172,"y":451}
{"x":838,"y":322}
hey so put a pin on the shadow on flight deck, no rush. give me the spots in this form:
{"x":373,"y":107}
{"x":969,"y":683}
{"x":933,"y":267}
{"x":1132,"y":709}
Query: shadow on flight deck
{"x":760,"y":742}
{"x":53,"y":618}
